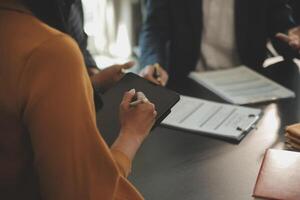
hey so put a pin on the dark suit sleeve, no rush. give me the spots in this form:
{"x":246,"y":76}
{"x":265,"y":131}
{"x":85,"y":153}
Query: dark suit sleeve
{"x":279,"y":16}
{"x":280,"y":19}
{"x":76,"y":30}
{"x":155,"y":33}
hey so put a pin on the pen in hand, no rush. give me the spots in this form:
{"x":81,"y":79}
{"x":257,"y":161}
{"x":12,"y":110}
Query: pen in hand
{"x":157,"y":74}
{"x":138,"y":98}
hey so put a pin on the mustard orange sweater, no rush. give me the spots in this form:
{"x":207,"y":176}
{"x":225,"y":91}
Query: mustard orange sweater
{"x":50,"y":147}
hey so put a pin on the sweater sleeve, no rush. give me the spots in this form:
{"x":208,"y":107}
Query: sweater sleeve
{"x":123,"y":162}
{"x":71,"y":158}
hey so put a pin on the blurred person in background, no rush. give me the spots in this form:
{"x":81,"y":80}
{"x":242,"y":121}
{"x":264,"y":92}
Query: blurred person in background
{"x":72,"y":12}
{"x":182,"y":36}
{"x":69,"y":18}
{"x":74,"y":22}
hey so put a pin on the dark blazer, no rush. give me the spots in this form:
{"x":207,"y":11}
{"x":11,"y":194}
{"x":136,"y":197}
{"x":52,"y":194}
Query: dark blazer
{"x":171,"y":33}
{"x":295,"y":4}
{"x":75,"y":25}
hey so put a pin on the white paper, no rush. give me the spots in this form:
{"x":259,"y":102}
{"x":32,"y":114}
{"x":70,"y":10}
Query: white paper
{"x":203,"y":116}
{"x":241,"y":85}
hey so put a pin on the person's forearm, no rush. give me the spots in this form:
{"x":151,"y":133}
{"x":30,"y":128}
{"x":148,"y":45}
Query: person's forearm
{"x":124,"y":150}
{"x":128,"y":144}
{"x":93,"y":71}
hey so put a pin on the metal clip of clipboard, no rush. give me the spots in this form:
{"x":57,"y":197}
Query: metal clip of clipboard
{"x":251,"y":125}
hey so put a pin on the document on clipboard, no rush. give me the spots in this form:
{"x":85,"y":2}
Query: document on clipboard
{"x":210,"y":118}
{"x":241,"y":85}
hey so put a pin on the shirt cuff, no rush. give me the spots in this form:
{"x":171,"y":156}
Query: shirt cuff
{"x":123,"y":162}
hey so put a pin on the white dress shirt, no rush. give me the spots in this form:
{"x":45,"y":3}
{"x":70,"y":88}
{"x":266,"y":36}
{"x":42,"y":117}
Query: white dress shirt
{"x":218,"y":45}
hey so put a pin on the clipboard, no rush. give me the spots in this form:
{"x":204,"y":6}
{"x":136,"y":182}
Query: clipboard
{"x":249,"y":126}
{"x":209,"y":118}
{"x":108,"y":116}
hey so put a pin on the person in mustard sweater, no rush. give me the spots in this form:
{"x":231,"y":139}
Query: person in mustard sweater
{"x":50,"y":147}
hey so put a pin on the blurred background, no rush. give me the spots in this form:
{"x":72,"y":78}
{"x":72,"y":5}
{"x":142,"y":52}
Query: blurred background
{"x":113,"y":28}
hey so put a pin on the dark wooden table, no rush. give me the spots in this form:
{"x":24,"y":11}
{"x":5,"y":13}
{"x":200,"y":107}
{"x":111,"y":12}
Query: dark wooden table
{"x":178,"y":165}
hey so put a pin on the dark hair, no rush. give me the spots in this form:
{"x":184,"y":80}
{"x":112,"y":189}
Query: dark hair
{"x":51,"y":12}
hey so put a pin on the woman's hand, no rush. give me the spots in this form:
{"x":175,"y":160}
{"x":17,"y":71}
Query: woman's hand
{"x":137,"y":120}
{"x":136,"y":123}
{"x":107,"y":77}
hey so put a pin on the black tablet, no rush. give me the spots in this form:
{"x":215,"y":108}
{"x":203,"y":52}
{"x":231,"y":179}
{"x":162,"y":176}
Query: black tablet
{"x":108,"y":116}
